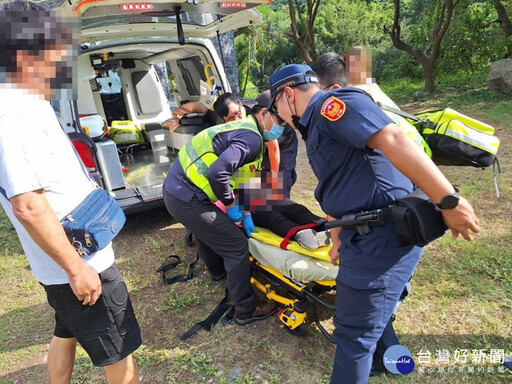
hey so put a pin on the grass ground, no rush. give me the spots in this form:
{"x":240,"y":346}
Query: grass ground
{"x":461,"y":299}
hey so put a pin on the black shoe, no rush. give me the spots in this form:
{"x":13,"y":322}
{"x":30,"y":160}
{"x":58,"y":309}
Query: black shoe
{"x":377,"y":369}
{"x":217,"y":278}
{"x":376,"y":373}
{"x":507,"y":362}
{"x":260,"y":311}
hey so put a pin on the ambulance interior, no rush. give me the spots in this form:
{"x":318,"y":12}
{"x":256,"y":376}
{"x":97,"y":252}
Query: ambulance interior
{"x":124,"y":94}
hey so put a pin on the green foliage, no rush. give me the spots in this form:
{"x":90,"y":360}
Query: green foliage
{"x":263,"y":48}
{"x":457,"y":90}
{"x":343,"y":24}
{"x":340,"y":24}
{"x":473,"y":40}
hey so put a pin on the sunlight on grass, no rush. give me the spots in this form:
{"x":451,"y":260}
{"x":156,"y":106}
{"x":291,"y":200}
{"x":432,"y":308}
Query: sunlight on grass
{"x":461,"y":291}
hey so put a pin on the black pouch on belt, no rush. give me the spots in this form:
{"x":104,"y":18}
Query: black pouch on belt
{"x":418,"y":220}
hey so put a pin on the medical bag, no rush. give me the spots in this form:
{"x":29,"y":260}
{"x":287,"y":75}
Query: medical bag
{"x":124,"y":132}
{"x":456,"y":139}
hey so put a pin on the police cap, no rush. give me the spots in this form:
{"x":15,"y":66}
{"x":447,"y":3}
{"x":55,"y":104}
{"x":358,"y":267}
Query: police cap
{"x":289,"y":76}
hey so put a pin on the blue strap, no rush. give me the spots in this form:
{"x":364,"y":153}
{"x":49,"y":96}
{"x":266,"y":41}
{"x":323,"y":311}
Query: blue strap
{"x":2,"y":191}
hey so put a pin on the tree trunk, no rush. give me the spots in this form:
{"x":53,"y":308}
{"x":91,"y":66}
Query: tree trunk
{"x":505,"y":23}
{"x":305,"y":41}
{"x":429,"y":55}
{"x":429,"y":78}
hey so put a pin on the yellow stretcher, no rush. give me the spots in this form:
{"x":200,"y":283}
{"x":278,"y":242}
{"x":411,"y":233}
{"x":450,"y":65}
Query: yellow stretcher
{"x":295,"y":278}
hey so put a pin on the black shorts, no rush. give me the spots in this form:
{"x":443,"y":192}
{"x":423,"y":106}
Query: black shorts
{"x":108,"y":330}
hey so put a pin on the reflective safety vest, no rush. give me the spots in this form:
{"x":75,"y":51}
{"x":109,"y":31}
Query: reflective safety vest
{"x":380,"y":97}
{"x":197,"y":156}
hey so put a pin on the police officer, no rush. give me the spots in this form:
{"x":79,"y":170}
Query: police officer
{"x":331,"y":72}
{"x":363,"y":161}
{"x":204,"y":173}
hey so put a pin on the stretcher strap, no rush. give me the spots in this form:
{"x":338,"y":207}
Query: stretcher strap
{"x":213,"y":318}
{"x":168,"y":265}
{"x":496,"y":164}
{"x":293,"y":231}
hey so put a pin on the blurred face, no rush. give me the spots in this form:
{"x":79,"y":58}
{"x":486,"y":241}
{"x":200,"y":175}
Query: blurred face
{"x":358,"y":66}
{"x":236,"y":112}
{"x":37,"y":72}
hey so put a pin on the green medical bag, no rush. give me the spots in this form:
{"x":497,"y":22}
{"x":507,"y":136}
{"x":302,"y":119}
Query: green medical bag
{"x":456,"y":139}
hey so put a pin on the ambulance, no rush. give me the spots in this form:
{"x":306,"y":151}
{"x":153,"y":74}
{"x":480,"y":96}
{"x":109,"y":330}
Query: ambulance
{"x":137,"y":61}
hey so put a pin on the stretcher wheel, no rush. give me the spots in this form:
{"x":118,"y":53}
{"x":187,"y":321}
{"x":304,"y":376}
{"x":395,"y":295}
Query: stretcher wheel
{"x":189,"y":239}
{"x":293,"y":320}
{"x":298,"y":331}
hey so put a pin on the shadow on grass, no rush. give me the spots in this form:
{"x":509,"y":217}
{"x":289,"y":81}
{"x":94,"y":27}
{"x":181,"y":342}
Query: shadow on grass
{"x":155,"y":366}
{"x":83,"y":372}
{"x":25,"y":327}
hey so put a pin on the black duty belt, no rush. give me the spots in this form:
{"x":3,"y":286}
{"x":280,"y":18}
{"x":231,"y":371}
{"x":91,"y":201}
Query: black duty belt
{"x":418,"y":220}
{"x":362,"y":221}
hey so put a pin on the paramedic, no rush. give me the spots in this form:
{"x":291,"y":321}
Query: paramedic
{"x":42,"y":180}
{"x":201,"y":176}
{"x":362,"y":162}
{"x":279,"y":156}
{"x":331,"y":71}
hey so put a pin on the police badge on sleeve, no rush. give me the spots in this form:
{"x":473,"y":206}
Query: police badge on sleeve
{"x":333,"y":108}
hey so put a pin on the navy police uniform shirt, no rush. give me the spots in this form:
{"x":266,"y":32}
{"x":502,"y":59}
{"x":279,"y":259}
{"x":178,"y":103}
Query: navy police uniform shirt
{"x":352,"y":178}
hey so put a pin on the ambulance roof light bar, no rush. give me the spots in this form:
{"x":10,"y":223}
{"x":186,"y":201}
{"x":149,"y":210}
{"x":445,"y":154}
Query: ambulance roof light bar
{"x":232,"y":4}
{"x":136,"y":6}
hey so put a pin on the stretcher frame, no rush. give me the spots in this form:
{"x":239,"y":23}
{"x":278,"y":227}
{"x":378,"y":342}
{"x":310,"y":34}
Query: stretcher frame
{"x":296,"y":297}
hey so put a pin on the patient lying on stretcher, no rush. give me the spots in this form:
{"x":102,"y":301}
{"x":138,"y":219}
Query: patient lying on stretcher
{"x":262,"y":196}
{"x":288,"y":219}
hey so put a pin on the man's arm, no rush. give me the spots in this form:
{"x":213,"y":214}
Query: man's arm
{"x":336,"y":242}
{"x":274,"y":155}
{"x":417,"y":166}
{"x":37,"y":217}
{"x":178,"y":113}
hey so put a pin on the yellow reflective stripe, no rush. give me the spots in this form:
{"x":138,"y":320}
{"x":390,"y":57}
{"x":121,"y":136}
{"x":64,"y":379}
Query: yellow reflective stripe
{"x":197,"y":155}
{"x":477,"y":139}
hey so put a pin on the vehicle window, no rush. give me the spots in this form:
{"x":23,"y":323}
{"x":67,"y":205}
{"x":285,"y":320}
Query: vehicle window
{"x":163,"y":70}
{"x":109,"y":84}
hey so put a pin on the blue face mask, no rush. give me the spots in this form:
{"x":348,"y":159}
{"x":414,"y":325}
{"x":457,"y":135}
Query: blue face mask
{"x":275,"y":132}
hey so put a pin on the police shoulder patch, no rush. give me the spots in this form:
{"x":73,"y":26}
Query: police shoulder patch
{"x":333,"y":108}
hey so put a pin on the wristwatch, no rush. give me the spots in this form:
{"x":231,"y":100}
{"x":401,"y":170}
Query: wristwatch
{"x":449,"y":201}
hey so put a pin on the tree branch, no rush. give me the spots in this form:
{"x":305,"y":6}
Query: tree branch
{"x":487,"y":25}
{"x":295,"y":33}
{"x":435,"y":32}
{"x":297,"y":7}
{"x":450,"y":6}
{"x":503,"y":17}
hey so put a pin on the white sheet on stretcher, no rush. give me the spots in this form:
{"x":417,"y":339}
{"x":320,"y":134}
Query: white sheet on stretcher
{"x":292,"y":264}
